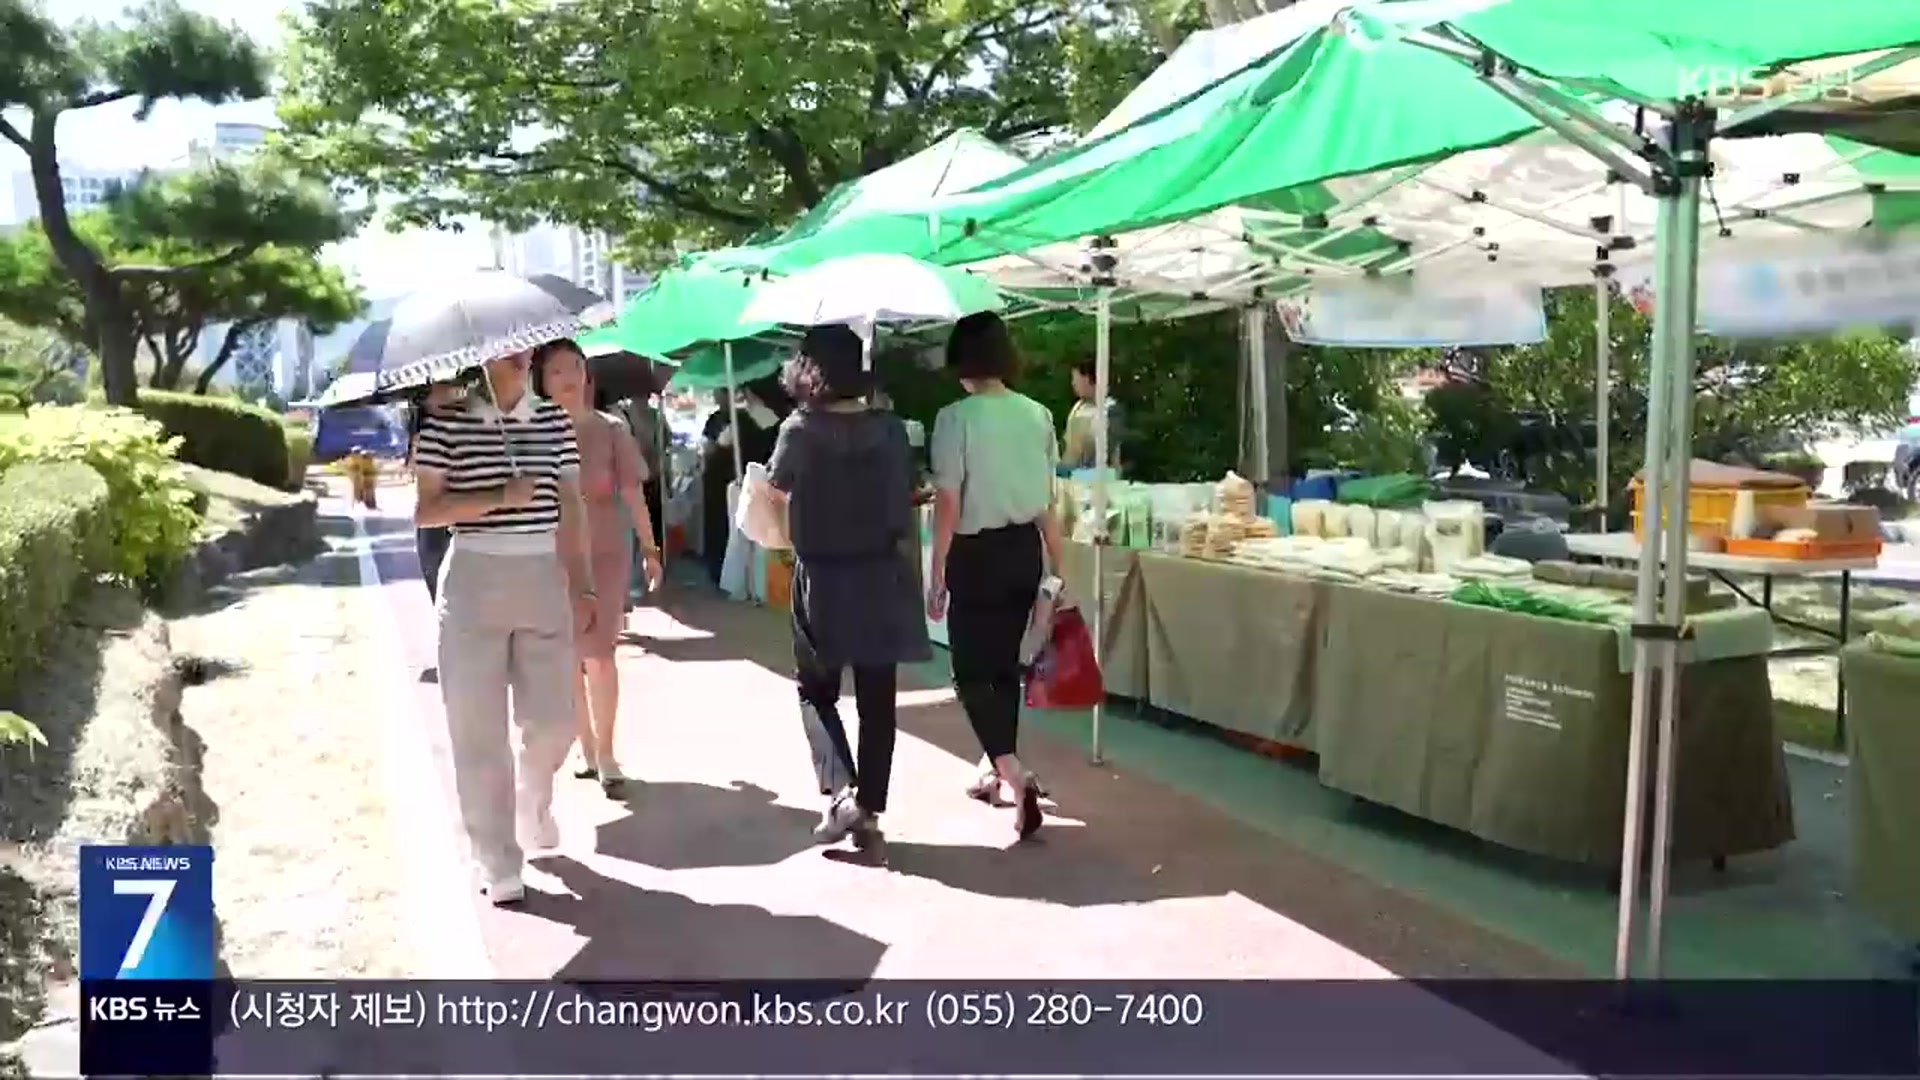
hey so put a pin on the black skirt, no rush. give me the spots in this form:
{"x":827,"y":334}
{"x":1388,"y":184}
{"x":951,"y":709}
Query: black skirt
{"x":858,"y":613}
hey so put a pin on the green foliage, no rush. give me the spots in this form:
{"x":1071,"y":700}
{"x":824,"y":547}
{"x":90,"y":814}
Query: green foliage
{"x":299,"y":455}
{"x":156,"y":51}
{"x":55,"y":530}
{"x":222,"y":433}
{"x":35,"y":367}
{"x":17,"y":730}
{"x":149,"y":506}
{"x":265,"y":267}
{"x":1177,"y":384}
{"x":1753,"y":400}
{"x":692,"y":123}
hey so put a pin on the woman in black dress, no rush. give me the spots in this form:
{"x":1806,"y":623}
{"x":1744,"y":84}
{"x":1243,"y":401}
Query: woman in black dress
{"x":847,"y":474}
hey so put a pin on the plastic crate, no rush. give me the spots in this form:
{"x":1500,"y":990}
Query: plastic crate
{"x":1805,"y":549}
{"x":1710,"y":509}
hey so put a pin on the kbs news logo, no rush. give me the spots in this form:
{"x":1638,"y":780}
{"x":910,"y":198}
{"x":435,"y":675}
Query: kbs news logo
{"x":1723,"y":85}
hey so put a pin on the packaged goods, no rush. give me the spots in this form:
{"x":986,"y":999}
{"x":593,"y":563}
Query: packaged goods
{"x":1362,"y":524}
{"x":1234,"y":496}
{"x":1309,"y":517}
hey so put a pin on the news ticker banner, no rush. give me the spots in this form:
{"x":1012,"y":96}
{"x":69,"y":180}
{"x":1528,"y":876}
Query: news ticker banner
{"x":1221,"y":1029}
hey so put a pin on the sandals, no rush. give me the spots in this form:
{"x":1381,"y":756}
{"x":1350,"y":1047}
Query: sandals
{"x":986,"y":789}
{"x":1026,"y":820}
{"x":1027,"y":816}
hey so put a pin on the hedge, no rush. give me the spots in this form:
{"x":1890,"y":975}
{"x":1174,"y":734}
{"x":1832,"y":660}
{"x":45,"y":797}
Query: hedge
{"x":224,"y":434}
{"x":299,"y":455}
{"x":55,"y":530}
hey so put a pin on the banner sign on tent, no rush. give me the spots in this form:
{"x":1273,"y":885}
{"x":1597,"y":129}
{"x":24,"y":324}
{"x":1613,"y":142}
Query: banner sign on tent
{"x":1815,"y":287}
{"x":1383,"y":315}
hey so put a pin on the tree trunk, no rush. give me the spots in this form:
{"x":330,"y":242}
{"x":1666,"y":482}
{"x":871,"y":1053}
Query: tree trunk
{"x":116,"y":342}
{"x":1280,"y":350}
{"x":228,"y":344}
{"x":117,"y":349}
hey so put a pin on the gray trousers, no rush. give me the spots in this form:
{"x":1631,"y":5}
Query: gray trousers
{"x":506,"y":628}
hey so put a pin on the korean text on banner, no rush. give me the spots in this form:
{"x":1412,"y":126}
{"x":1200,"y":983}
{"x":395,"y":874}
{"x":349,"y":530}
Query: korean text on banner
{"x":1815,"y":285}
{"x":1415,"y":315}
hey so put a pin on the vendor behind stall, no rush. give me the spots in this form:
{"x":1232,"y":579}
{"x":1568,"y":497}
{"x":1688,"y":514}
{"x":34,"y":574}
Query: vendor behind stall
{"x":1080,"y":444}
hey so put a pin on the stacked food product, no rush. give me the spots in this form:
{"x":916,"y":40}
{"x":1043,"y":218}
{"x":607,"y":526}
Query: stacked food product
{"x":1234,"y":496}
{"x":1193,"y":536}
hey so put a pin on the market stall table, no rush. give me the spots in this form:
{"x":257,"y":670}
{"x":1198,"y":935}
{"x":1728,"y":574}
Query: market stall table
{"x":1509,"y":727}
{"x":1513,"y":727}
{"x":1232,"y":646}
{"x":1883,"y":750}
{"x":1625,"y":548}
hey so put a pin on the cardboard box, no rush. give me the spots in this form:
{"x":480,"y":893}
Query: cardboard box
{"x":1831,"y":522}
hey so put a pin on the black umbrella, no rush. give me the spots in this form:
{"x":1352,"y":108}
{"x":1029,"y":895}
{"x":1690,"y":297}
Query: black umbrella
{"x":586,"y":305}
{"x":619,"y":374}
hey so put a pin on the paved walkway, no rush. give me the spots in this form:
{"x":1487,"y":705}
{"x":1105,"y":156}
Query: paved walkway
{"x":705,"y":869}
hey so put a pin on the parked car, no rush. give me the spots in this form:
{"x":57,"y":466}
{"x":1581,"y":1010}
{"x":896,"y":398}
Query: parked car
{"x":376,"y":429}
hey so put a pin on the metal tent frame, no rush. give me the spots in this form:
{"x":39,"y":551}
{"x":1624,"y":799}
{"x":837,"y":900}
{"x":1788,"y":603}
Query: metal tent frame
{"x":1661,"y":155}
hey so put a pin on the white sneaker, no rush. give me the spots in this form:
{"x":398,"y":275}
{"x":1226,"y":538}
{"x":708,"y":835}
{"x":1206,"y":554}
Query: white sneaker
{"x":540,"y":833}
{"x":842,"y":817}
{"x":506,"y":891}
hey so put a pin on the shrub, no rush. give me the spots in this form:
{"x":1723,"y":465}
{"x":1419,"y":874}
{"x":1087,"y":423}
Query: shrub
{"x":299,"y":455}
{"x":223,"y":433}
{"x":153,"y":523}
{"x":55,"y":530}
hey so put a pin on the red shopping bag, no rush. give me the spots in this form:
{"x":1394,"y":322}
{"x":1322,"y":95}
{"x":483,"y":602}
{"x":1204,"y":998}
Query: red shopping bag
{"x":1066,"y":675}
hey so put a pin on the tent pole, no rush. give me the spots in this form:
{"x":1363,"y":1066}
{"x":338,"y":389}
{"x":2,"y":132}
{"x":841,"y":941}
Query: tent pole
{"x":1659,"y":609}
{"x":1256,"y":324}
{"x":733,"y":412}
{"x":1646,"y":598}
{"x":1692,"y":131}
{"x":1603,"y":390}
{"x":1102,"y":360}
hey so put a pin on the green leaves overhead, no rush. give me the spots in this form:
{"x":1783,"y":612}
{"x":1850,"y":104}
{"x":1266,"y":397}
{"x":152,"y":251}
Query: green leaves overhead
{"x":680,"y":122}
{"x":156,"y":50}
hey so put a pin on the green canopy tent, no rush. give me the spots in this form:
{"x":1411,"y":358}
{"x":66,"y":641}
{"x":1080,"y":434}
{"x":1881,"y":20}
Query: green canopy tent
{"x":1403,"y":85}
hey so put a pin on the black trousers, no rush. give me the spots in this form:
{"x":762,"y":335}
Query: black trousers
{"x":992,"y":578}
{"x":431,"y":547}
{"x":873,"y":696}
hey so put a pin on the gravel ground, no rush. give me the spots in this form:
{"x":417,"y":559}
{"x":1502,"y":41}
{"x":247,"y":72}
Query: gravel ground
{"x":306,"y":872}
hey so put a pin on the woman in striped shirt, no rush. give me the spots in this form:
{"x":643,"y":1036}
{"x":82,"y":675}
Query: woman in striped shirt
{"x":502,"y":470}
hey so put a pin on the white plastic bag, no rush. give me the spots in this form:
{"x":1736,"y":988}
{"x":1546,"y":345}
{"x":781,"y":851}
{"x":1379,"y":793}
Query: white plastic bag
{"x":760,"y":514}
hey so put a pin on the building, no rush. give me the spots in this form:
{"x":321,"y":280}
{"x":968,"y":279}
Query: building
{"x":230,"y":140}
{"x":81,"y":188}
{"x":584,"y":258}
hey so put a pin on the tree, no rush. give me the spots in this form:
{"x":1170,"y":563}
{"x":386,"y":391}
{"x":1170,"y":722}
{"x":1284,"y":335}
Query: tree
{"x":684,"y":122}
{"x":36,"y":366}
{"x":160,"y":51}
{"x":142,"y":226}
{"x":1752,"y":398}
{"x":279,"y":283}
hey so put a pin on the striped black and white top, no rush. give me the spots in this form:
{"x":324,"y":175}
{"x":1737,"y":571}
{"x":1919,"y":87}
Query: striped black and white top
{"x":478,"y":447}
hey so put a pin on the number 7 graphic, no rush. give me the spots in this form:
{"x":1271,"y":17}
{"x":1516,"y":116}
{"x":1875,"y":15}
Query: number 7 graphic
{"x":157,"y":891}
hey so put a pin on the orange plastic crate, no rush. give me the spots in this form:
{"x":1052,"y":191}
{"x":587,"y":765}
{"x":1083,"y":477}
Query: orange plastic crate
{"x":1710,"y":509}
{"x":1805,"y":549}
